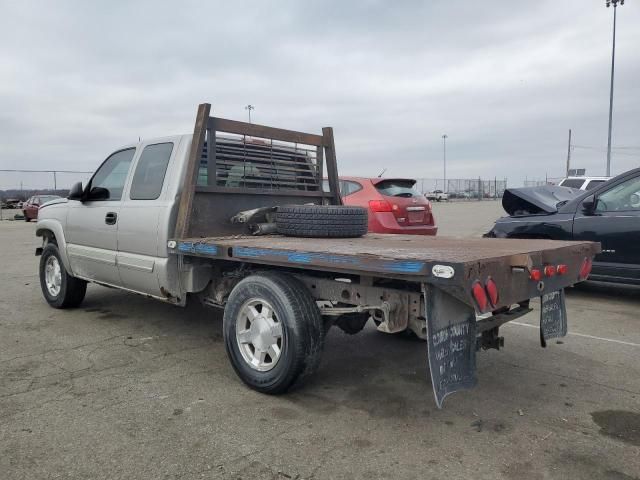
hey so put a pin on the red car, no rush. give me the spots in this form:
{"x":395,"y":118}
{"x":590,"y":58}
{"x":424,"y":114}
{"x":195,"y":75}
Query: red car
{"x":31,"y":206}
{"x":395,"y":206}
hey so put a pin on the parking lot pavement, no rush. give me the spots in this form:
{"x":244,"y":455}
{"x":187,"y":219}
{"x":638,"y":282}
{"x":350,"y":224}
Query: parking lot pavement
{"x":127,"y":387}
{"x":469,"y":218}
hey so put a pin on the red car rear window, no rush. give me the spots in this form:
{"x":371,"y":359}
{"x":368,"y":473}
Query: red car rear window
{"x":397,"y":188}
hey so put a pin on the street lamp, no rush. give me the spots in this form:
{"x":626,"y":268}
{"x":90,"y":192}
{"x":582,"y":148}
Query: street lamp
{"x":249,"y":108}
{"x":444,"y":159}
{"x":613,"y":60}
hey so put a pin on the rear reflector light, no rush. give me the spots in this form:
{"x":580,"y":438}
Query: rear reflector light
{"x":379,"y":206}
{"x":586,"y":269}
{"x":562,"y":269}
{"x":492,"y":290}
{"x":536,"y":274}
{"x":480,"y":295}
{"x":550,"y":270}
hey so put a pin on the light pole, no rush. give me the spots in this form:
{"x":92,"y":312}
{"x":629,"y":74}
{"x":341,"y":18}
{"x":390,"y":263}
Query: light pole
{"x":613,"y":60}
{"x":444,"y":159}
{"x":249,"y":108}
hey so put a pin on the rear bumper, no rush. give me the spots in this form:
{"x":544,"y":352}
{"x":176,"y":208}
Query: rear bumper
{"x":384,"y":222}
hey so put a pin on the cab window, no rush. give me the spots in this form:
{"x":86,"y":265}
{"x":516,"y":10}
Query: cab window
{"x":150,"y":172}
{"x":623,"y":197}
{"x":112,"y":174}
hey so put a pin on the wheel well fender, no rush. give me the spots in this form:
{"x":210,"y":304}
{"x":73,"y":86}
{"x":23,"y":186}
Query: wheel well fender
{"x":51,"y":231}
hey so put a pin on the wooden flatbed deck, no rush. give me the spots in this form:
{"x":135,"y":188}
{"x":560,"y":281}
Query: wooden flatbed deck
{"x":397,"y":255}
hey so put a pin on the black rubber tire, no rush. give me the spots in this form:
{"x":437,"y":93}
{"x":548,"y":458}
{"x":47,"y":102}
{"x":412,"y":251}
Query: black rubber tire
{"x":303,"y":331}
{"x":72,"y":290}
{"x":335,"y":221}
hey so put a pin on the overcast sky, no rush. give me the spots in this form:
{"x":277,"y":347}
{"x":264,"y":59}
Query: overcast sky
{"x":504,"y":80}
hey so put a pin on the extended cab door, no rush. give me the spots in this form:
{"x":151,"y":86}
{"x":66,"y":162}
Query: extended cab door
{"x":614,"y":221}
{"x":92,"y":224}
{"x":142,"y":232}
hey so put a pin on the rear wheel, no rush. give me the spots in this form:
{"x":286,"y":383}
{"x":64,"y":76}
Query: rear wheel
{"x":273,"y":331}
{"x":60,"y":289}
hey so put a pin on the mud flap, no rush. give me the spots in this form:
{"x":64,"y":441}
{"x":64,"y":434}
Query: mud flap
{"x":451,"y":343}
{"x":553,"y":316}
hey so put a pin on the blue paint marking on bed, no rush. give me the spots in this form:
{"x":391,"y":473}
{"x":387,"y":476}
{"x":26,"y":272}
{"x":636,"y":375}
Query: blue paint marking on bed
{"x":309,"y":257}
{"x":404,"y":267}
{"x":203,"y":248}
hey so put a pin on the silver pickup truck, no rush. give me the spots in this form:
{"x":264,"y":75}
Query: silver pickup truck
{"x":200,"y":215}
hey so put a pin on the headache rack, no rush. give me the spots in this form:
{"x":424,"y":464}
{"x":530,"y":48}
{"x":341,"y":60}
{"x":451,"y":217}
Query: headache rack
{"x":235,"y":166}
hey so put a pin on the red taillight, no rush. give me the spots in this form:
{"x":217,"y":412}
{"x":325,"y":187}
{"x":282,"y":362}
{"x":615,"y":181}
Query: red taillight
{"x":586,"y":269}
{"x":492,"y":290}
{"x":536,"y":274}
{"x":480,"y":295}
{"x":549,"y":270}
{"x":379,"y":206}
{"x":562,"y":269}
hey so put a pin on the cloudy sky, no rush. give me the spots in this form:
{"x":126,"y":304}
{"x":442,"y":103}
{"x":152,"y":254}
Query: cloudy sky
{"x":504,"y":80}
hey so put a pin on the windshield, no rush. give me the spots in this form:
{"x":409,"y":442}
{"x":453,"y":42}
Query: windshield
{"x":572,"y":182}
{"x":397,"y":188}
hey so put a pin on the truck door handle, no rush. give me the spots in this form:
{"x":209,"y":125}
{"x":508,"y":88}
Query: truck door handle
{"x":111,"y":218}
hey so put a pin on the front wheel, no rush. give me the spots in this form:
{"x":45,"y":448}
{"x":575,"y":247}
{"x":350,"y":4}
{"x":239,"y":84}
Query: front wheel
{"x":60,"y":289}
{"x":273,"y":331}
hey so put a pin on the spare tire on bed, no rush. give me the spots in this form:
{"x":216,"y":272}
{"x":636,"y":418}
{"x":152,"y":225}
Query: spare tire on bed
{"x":335,"y":221}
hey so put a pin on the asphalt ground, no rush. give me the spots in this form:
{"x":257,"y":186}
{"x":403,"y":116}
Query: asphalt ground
{"x":127,"y":387}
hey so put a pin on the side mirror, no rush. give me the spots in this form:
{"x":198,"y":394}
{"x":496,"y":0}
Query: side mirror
{"x":589,"y":205}
{"x":76,"y":192}
{"x":98,"y":193}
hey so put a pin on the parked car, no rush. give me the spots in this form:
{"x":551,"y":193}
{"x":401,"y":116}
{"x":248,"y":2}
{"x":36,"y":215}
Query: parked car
{"x":12,"y":203}
{"x":583,"y":183}
{"x":609,"y":213}
{"x":395,"y":206}
{"x":437,"y":195}
{"x":31,"y":206}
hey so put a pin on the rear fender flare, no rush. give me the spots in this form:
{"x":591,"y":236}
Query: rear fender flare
{"x":46,"y":229}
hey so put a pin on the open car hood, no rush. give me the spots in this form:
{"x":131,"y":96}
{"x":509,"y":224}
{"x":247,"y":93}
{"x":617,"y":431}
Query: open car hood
{"x":536,"y":200}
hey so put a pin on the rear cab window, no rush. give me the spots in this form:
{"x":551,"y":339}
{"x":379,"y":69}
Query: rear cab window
{"x":150,"y":172}
{"x":397,"y":188}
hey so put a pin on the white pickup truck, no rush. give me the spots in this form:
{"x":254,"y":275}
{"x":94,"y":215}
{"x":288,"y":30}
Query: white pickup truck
{"x":225,"y":215}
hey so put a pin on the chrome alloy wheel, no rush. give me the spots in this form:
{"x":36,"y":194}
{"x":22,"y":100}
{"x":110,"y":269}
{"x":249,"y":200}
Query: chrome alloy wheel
{"x":53,"y":276}
{"x":259,"y":335}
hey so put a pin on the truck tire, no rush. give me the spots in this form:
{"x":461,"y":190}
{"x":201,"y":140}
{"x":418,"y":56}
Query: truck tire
{"x":60,"y":289}
{"x":273,"y":331}
{"x":335,"y":221}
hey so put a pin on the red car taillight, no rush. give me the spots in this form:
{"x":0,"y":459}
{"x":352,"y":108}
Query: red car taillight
{"x":562,"y":269}
{"x":586,"y":268}
{"x":480,"y":296}
{"x":550,"y":270}
{"x":492,"y":290}
{"x":379,"y":206}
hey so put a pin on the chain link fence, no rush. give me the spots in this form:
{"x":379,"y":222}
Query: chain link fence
{"x":464,"y":188}
{"x":538,"y":183}
{"x":22,"y":184}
